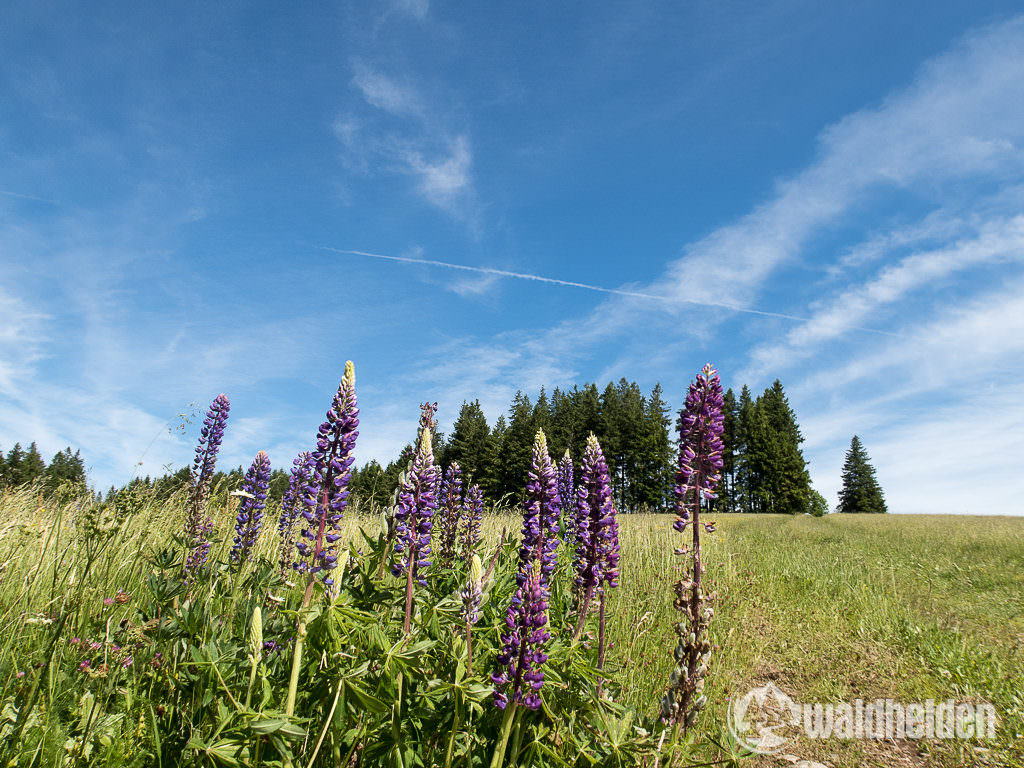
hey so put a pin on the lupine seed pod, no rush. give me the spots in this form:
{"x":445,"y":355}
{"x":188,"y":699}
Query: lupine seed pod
{"x":255,"y":639}
{"x":325,"y":497}
{"x":250,"y":510}
{"x":474,"y":517}
{"x":519,"y":678}
{"x":597,"y":548}
{"x":567,"y":496}
{"x":302,"y":468}
{"x":197,"y":524}
{"x":700,"y":428}
{"x":471,"y":593}
{"x":451,"y":509}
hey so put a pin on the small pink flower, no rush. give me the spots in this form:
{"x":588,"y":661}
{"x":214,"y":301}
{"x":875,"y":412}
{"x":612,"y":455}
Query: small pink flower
{"x":108,"y":601}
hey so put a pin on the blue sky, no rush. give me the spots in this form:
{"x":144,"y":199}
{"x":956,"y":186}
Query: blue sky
{"x":177,"y":189}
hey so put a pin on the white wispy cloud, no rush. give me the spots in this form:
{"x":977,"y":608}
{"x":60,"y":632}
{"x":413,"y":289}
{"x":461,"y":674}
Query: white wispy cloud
{"x":414,"y":140}
{"x":383,"y":92}
{"x":999,"y":241}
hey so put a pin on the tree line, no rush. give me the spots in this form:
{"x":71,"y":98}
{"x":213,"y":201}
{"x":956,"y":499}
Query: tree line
{"x":19,"y":467}
{"x":764,"y":469}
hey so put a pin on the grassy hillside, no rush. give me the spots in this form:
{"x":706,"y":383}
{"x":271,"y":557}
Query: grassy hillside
{"x":829,"y":609}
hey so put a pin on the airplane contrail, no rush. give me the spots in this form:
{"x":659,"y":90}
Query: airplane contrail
{"x":587,"y":286}
{"x":28,"y":197}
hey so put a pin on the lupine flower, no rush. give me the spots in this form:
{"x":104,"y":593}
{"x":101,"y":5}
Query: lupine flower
{"x":210,"y":437}
{"x":250,"y":510}
{"x":302,"y":468}
{"x":474,"y":516}
{"x":520,"y":678}
{"x":197,"y":524}
{"x":471,"y":595}
{"x":414,"y":515}
{"x":451,"y":508}
{"x":597,"y":548}
{"x":700,"y":428}
{"x":567,"y":494}
{"x":324,"y":498}
{"x":197,"y":536}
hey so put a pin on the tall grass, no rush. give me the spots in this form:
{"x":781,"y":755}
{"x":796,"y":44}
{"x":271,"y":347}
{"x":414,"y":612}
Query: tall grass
{"x":829,"y":609}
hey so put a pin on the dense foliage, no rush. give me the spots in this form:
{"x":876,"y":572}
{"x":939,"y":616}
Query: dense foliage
{"x":386,"y":645}
{"x":20,"y":467}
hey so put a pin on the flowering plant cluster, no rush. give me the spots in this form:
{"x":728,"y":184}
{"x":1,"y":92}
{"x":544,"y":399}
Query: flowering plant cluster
{"x":415,"y":641}
{"x":700,"y":426}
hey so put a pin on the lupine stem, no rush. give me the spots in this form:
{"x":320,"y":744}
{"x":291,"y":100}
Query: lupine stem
{"x":506,"y":729}
{"x":408,"y":596}
{"x":584,"y":609}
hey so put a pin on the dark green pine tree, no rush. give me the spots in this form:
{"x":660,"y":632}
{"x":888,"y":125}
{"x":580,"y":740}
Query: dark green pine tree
{"x":632,"y":409}
{"x":786,"y":484}
{"x":468,"y":443}
{"x":861,"y":491}
{"x":514,"y":458}
{"x":652,"y":483}
{"x":564,"y":425}
{"x":30,"y":467}
{"x":727,"y":496}
{"x":747,"y":465}
{"x":491,"y":480}
{"x":541,"y":415}
{"x":66,"y":469}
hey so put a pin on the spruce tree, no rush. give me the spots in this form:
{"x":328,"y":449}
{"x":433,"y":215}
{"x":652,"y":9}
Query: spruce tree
{"x":861,"y":491}
{"x":514,"y":457}
{"x":468,"y":443}
{"x":727,"y":498}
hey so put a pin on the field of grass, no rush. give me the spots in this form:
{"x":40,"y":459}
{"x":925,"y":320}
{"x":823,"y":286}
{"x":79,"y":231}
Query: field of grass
{"x":829,"y":609}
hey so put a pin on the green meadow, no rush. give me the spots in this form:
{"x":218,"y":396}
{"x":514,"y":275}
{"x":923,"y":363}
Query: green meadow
{"x":827,"y":609}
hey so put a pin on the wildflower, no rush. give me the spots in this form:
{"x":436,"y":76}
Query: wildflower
{"x":597,"y":536}
{"x":474,"y":516}
{"x":108,"y":601}
{"x":566,"y":494}
{"x":519,"y":678}
{"x":414,"y":514}
{"x":324,"y":498}
{"x":450,"y":511}
{"x":700,"y":428}
{"x":471,"y":593}
{"x":250,"y":510}
{"x":302,"y":466}
{"x":197,"y":525}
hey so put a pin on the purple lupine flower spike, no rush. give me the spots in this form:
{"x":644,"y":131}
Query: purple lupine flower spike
{"x":450,"y":511}
{"x":700,"y":426}
{"x":324,"y":498}
{"x":519,"y":678}
{"x":210,"y":437}
{"x":250,"y":510}
{"x":567,"y":495}
{"x":414,"y":514}
{"x":597,"y":549}
{"x":302,"y":467}
{"x":197,"y":524}
{"x":474,"y":516}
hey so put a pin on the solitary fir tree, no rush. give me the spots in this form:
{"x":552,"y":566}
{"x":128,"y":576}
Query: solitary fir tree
{"x":861,"y":491}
